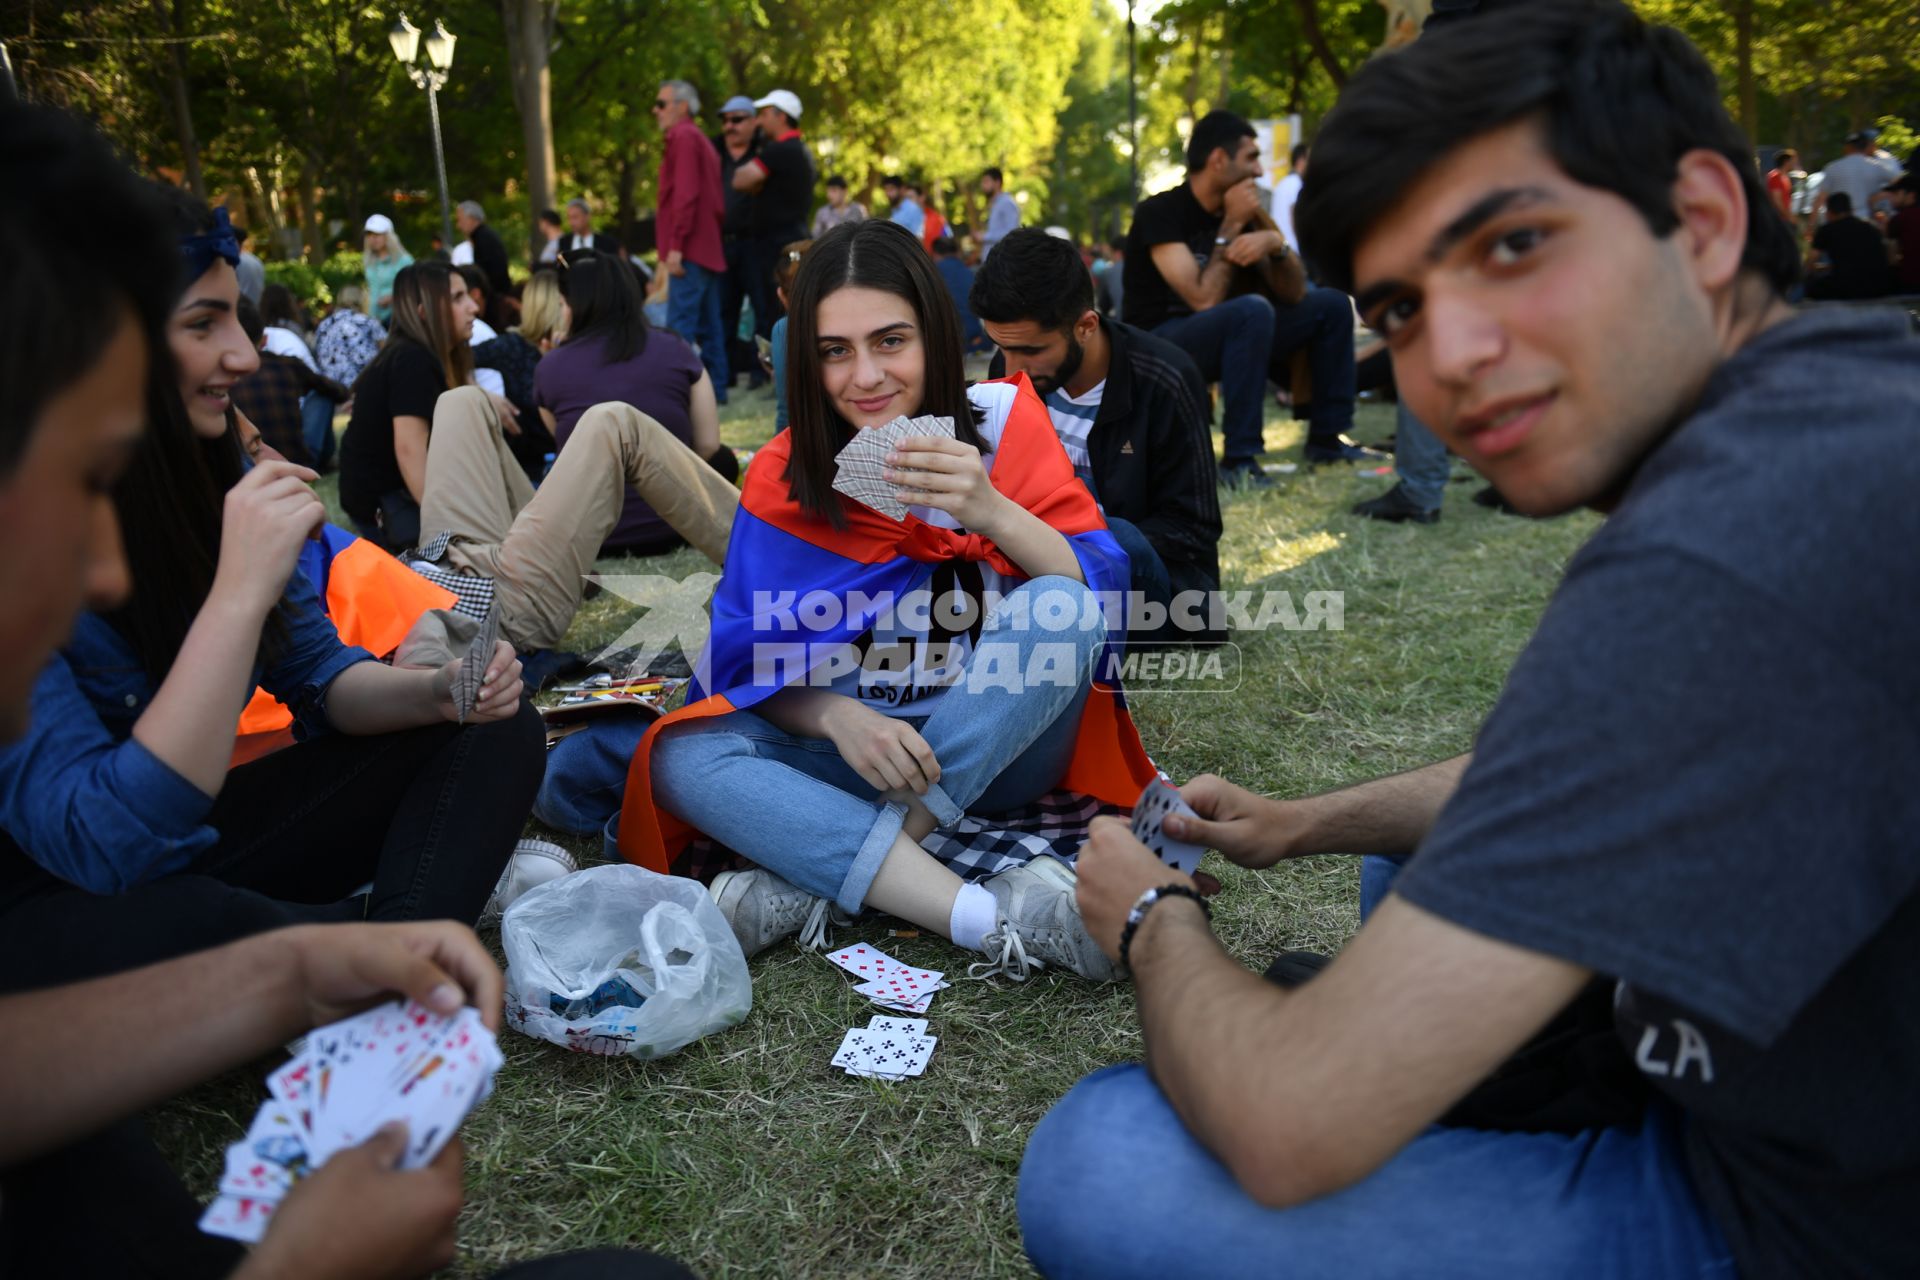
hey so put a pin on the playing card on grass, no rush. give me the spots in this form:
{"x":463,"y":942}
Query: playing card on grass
{"x":886,"y":1049}
{"x":1149,"y":818}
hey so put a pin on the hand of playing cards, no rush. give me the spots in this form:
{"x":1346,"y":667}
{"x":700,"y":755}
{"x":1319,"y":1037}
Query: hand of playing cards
{"x":1149,"y":819}
{"x":863,"y":463}
{"x":472,"y":673}
{"x":400,"y":1061}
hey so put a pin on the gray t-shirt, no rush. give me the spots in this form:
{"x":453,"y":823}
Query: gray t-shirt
{"x":1703,"y":779}
{"x":1859,"y":176}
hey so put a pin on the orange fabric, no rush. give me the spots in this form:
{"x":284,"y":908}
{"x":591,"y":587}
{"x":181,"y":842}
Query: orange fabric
{"x":373,"y":601}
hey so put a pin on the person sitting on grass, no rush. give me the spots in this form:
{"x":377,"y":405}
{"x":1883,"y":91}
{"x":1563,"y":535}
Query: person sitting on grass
{"x":894,"y":718}
{"x":1131,"y":412}
{"x":1640,"y":1003}
{"x":128,"y":836}
{"x":276,"y":397}
{"x":610,"y":355}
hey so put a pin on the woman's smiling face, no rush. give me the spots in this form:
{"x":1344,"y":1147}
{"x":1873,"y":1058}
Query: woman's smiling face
{"x":873,"y":361}
{"x":210,"y":349}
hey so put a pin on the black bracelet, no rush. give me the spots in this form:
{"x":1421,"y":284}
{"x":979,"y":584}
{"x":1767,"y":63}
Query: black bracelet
{"x":1145,"y":903}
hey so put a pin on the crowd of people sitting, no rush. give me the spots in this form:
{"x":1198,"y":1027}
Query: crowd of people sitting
{"x":1632,"y":991}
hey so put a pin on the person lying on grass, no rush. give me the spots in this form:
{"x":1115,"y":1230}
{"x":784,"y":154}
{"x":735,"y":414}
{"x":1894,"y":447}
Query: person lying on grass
{"x":1684,"y":842}
{"x":827,"y":764}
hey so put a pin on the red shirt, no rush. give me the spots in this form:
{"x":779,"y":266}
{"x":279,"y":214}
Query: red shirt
{"x":1780,"y":186}
{"x":691,"y":202}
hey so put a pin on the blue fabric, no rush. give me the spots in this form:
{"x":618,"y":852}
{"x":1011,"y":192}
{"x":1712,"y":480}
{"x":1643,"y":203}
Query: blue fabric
{"x":95,"y":807}
{"x":316,"y":427}
{"x":909,"y":215}
{"x":693,"y":312}
{"x":1113,"y":1186}
{"x":1010,"y":745}
{"x":958,"y":277}
{"x":777,"y":356}
{"x":1421,"y":460}
{"x":1149,"y":577}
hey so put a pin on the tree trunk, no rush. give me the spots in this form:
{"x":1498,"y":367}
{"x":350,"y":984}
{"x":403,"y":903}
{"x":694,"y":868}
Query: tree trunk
{"x":1743,"y":53}
{"x":174,"y":18}
{"x":529,"y":26}
{"x":1317,"y":40}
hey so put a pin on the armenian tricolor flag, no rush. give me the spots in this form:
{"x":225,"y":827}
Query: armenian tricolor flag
{"x":777,"y":547}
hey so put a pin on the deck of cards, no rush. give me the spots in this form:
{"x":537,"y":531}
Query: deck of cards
{"x":400,"y":1061}
{"x":888,"y":982}
{"x":472,"y":672}
{"x":1149,"y":818}
{"x":863,"y":463}
{"x":886,"y":1049}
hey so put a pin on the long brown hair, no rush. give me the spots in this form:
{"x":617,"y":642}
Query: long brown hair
{"x":423,"y":314}
{"x":888,"y":258}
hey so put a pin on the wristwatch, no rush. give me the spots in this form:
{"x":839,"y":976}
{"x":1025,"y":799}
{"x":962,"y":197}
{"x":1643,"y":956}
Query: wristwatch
{"x":1222,"y":241}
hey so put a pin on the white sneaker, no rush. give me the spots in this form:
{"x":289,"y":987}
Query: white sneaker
{"x":534,"y":862}
{"x":1040,"y":926}
{"x":762,"y":908}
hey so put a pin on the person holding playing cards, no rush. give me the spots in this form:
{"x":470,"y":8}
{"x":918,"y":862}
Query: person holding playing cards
{"x":1633,"y":994}
{"x":957,"y":678}
{"x":128,"y":836}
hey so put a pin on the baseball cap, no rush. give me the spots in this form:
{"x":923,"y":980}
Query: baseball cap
{"x":736,"y":104}
{"x":784,"y":99}
{"x":380,"y":224}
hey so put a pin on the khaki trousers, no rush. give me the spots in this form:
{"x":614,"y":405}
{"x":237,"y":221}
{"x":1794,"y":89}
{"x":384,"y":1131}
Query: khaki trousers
{"x":538,"y":546}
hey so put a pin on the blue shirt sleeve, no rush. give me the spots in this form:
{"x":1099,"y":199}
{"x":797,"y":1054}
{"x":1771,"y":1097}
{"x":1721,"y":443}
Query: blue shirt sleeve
{"x":311,"y":659}
{"x":101,"y":813}
{"x":778,"y":354}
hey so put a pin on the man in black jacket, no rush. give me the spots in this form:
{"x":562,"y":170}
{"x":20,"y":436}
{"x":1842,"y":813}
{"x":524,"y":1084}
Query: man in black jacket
{"x":1130,"y":409}
{"x":489,"y":254}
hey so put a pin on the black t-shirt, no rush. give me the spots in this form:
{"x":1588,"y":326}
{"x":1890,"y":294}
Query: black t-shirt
{"x":786,"y":198}
{"x":1172,"y":217}
{"x":737,"y":220}
{"x":1703,"y":779}
{"x":1859,"y":257}
{"x":403,"y":382}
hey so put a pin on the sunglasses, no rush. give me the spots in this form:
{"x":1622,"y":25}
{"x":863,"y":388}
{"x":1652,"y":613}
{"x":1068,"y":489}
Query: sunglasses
{"x":661,"y":104}
{"x":735,"y":119}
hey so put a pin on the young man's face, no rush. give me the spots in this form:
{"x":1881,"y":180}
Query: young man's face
{"x":59,"y":537}
{"x":1536,"y":325}
{"x":1049,"y":357}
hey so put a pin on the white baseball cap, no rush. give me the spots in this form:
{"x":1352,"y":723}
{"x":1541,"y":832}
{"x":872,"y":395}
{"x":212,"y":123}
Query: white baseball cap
{"x":783,"y":99}
{"x":380,"y":224}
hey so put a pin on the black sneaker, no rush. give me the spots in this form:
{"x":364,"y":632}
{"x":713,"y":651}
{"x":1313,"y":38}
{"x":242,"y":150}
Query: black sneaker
{"x":1341,"y":449}
{"x":1244,"y":475}
{"x":1493,"y":498}
{"x":1394,"y":505}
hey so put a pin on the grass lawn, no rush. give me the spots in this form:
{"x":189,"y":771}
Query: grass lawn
{"x":748,"y":1155}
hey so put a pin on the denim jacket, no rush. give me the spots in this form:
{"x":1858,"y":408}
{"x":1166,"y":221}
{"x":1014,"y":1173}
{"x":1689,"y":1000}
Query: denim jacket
{"x":90,"y":804}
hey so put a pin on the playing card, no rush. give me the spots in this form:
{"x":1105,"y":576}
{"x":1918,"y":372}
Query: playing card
{"x":859,"y":472}
{"x":473,"y":667}
{"x":903,"y":982}
{"x":237,"y":1218}
{"x":897,"y":1026}
{"x":1150,"y":816}
{"x":896,"y":1056}
{"x":269,"y":1160}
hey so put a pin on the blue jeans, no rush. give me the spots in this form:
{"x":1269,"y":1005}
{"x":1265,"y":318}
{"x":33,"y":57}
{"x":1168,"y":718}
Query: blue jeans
{"x":1421,"y":461}
{"x":316,"y":427}
{"x":1149,"y":572}
{"x":693,"y":312}
{"x":1244,"y":341}
{"x":793,"y":806}
{"x":1460,"y":1203}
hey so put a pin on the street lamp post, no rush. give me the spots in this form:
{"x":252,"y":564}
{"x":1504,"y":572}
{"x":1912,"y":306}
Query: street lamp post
{"x":405,"y":39}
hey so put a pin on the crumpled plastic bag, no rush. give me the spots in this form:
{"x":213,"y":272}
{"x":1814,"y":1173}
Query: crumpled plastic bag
{"x":622,"y":961}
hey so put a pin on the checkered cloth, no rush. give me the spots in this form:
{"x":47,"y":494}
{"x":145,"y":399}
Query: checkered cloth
{"x":974,"y":848}
{"x":475,"y":592}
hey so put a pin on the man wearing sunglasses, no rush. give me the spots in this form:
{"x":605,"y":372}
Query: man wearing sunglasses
{"x":737,"y":142}
{"x":691,"y":206}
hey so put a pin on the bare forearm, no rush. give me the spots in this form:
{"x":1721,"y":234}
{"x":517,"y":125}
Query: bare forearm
{"x":370,"y":697}
{"x":64,"y":1073}
{"x":1387,"y":815}
{"x":191,"y":722}
{"x":1033,"y":544}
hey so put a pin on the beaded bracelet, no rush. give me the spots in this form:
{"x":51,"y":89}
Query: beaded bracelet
{"x":1144,"y":903}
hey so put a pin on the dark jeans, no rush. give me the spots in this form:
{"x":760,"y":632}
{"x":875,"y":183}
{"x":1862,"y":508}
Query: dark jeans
{"x":760,"y":256}
{"x":733,"y":294}
{"x":1152,"y":578}
{"x":428,"y":815}
{"x":1243,"y":342}
{"x":110,"y":1207}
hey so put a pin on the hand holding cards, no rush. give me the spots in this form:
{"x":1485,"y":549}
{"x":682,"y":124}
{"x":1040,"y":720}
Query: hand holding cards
{"x":862,"y":465}
{"x":1149,"y":820}
{"x":472,"y":674}
{"x":399,"y":1062}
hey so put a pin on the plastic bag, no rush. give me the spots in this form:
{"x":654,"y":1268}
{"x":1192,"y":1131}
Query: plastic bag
{"x":619,"y":960}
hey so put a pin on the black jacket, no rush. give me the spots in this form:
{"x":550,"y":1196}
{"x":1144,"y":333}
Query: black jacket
{"x":1151,"y":453}
{"x":490,"y":255}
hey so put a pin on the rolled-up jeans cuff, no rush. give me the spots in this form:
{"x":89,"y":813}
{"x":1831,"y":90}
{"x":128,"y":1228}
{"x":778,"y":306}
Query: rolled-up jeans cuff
{"x":945,"y":812}
{"x":873,"y":851}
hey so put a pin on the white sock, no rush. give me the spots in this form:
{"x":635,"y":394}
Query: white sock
{"x":976,"y":913}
